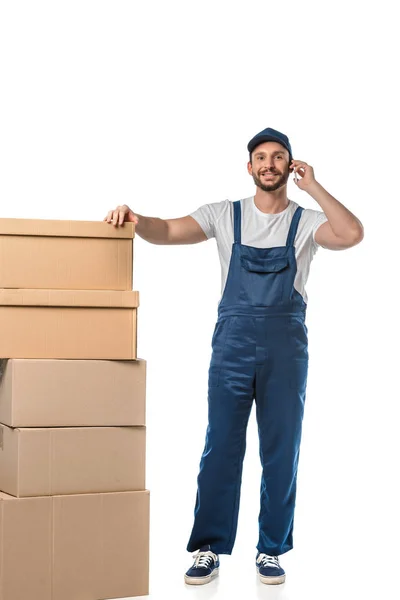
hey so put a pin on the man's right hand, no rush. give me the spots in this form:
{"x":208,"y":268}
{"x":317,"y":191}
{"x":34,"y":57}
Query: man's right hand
{"x":121,"y":214}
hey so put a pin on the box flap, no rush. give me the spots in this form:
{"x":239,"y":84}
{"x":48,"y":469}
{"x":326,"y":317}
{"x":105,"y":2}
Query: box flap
{"x":74,"y":298}
{"x":51,"y":227}
{"x":4,"y":496}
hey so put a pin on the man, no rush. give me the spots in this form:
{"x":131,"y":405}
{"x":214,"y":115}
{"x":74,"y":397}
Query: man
{"x":259,"y":348}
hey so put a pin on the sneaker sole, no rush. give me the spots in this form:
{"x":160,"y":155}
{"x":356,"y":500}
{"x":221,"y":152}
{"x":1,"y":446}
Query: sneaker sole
{"x":272,"y":580}
{"x":201,"y":580}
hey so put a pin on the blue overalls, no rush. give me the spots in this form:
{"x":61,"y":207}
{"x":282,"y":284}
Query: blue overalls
{"x":260,"y":352}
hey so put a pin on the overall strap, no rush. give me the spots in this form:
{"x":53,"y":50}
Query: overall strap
{"x":293,"y":226}
{"x":237,"y":222}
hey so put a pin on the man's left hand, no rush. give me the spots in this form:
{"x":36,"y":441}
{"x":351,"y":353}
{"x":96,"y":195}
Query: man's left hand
{"x":306,"y":173}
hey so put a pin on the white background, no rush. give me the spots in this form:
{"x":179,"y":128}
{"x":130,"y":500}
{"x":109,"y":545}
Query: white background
{"x":152,"y":104}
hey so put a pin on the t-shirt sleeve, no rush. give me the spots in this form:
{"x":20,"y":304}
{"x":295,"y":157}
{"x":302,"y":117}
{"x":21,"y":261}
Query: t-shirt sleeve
{"x":320,"y":217}
{"x":208,"y":215}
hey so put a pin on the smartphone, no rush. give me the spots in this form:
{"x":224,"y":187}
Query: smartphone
{"x":295,"y":175}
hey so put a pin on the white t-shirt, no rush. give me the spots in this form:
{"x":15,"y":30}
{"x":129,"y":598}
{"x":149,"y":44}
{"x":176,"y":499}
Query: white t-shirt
{"x":261,"y":230}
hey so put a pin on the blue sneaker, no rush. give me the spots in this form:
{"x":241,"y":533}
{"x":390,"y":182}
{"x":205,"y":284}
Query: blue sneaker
{"x":204,"y":568}
{"x":269,"y":569}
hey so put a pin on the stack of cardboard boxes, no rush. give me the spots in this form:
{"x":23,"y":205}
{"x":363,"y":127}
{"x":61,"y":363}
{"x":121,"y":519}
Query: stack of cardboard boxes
{"x":74,"y":511}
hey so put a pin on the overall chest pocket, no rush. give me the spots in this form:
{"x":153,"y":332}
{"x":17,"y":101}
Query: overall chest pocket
{"x":264,"y":265}
{"x":265,"y":281}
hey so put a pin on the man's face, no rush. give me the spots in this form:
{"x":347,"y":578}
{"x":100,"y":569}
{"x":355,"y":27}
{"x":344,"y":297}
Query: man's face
{"x":270,"y":166}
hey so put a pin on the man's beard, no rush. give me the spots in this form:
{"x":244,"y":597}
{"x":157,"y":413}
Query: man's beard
{"x":277,"y":182}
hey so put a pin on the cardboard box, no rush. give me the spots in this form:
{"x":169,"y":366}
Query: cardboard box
{"x":71,"y":460}
{"x":80,"y":547}
{"x":68,"y":324}
{"x":55,"y":254}
{"x":72,"y":393}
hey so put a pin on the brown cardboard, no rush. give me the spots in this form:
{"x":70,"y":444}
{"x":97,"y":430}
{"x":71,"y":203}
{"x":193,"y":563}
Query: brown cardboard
{"x":71,"y":460}
{"x":69,"y":324}
{"x":56,"y":254}
{"x":78,"y":547}
{"x":68,"y":393}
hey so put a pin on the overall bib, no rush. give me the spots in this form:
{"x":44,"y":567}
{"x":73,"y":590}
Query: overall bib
{"x":259,"y":352}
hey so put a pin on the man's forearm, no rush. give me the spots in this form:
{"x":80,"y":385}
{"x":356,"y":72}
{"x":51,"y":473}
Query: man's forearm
{"x":152,"y":229}
{"x":343,"y":222}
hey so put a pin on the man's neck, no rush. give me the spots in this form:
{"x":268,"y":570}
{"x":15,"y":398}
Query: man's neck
{"x":271,"y":202}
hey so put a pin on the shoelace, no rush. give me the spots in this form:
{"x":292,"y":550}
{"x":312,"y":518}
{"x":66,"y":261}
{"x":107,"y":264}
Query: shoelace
{"x":204,"y":559}
{"x":268,"y":561}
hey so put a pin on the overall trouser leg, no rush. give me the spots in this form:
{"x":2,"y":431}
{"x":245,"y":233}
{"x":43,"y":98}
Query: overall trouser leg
{"x":280,"y":389}
{"x":230,"y":399}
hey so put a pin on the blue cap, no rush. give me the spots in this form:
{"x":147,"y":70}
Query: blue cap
{"x":270,"y":135}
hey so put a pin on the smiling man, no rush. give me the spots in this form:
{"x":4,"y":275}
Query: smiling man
{"x":266,"y":243}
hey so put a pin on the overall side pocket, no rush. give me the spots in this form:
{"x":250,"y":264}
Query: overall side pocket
{"x":218,"y":345}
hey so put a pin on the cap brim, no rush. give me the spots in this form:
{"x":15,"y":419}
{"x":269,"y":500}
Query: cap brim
{"x":263,"y":138}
